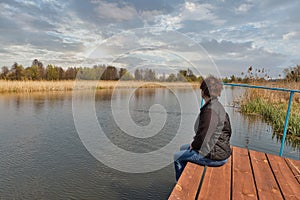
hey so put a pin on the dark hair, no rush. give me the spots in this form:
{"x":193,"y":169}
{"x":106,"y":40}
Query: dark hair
{"x":211,"y":87}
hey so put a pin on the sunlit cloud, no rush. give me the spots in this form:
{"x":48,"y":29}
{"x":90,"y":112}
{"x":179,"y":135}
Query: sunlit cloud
{"x":291,"y":35}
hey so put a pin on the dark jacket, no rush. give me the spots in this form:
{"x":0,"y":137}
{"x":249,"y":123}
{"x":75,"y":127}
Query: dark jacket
{"x":212,"y":138}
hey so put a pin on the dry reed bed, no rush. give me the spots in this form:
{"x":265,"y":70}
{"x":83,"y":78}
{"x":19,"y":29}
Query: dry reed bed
{"x":272,"y":105}
{"x":276,"y":97}
{"x":46,"y":86}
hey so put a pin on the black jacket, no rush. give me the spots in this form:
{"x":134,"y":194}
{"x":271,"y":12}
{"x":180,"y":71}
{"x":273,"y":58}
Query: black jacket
{"x":212,"y":138}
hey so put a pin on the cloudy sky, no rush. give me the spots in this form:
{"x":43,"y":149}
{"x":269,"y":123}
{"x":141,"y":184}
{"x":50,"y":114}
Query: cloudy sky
{"x":229,"y":35}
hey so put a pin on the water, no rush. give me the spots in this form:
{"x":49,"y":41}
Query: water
{"x":42,"y":156}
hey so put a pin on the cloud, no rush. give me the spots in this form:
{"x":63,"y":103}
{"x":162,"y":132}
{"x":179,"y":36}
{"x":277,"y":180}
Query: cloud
{"x":169,"y":22}
{"x":243,"y":8}
{"x":190,"y":11}
{"x":115,"y":11}
{"x":227,"y":47}
{"x":200,"y":12}
{"x":150,"y":16}
{"x":234,"y":57}
{"x":44,"y":35}
{"x":291,"y":35}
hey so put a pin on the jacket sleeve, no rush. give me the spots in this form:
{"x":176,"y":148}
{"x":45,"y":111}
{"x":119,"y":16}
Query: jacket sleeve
{"x":208,"y":122}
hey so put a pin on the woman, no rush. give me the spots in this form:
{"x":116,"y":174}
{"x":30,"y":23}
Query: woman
{"x":211,"y":144}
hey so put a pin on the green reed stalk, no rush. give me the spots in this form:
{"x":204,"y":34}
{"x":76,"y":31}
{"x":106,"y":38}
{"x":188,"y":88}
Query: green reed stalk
{"x":274,"y":113}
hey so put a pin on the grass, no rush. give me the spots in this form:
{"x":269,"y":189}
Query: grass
{"x":47,"y":86}
{"x":272,"y":106}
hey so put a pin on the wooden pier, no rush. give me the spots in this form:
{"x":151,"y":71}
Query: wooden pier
{"x":247,"y":175}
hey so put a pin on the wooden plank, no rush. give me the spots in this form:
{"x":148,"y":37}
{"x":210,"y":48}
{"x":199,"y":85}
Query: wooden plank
{"x":254,"y":175}
{"x":217,"y":183}
{"x":266,"y":184}
{"x":243,"y":186}
{"x":289,"y":186}
{"x":187,"y":185}
{"x":295,"y":167}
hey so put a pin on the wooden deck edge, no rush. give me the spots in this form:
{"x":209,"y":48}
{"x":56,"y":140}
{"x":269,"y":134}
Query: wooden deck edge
{"x":187,"y":185}
{"x":295,"y":167}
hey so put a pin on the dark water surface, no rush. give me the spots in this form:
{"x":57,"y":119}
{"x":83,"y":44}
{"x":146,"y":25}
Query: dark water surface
{"x":42,"y":156}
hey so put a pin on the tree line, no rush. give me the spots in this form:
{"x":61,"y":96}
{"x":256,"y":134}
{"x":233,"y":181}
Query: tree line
{"x":37,"y":71}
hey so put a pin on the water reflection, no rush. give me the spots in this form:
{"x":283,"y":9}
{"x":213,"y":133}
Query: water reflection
{"x":141,"y":93}
{"x":290,"y":141}
{"x":140,"y":102}
{"x":104,"y":95}
{"x":37,"y":101}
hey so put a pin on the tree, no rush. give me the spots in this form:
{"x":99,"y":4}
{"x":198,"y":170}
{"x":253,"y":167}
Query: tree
{"x":292,"y":74}
{"x":86,"y":74}
{"x":181,"y":75}
{"x":71,"y":73}
{"x":149,"y":75}
{"x":138,"y":75}
{"x":40,"y":69}
{"x":37,"y":70}
{"x":226,"y":80}
{"x":190,"y":76}
{"x":32,"y":73}
{"x":125,"y":75}
{"x":17,"y":72}
{"x":200,"y":79}
{"x":171,"y":78}
{"x":36,"y":62}
{"x":98,"y":71}
{"x":110,"y":73}
{"x":4,"y":72}
{"x":122,"y":72}
{"x":162,"y":78}
{"x":52,"y":73}
{"x":61,"y":73}
{"x":232,"y":78}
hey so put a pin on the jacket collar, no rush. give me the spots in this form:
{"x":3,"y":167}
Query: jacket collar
{"x":210,"y":101}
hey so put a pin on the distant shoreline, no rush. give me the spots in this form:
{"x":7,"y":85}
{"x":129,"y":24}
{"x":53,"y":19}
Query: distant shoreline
{"x":7,"y":86}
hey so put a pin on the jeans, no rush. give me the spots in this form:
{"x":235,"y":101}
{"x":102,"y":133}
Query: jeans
{"x":186,"y":155}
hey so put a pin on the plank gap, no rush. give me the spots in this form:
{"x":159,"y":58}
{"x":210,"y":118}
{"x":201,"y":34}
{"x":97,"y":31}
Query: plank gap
{"x":252,"y":172}
{"x":272,"y":170}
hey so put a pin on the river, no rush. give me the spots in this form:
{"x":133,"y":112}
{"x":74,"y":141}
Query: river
{"x":43,"y":156}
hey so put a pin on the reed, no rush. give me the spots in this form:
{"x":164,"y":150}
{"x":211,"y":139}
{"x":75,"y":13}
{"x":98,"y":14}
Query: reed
{"x":34,"y":86}
{"x":272,"y":106}
{"x":47,"y":86}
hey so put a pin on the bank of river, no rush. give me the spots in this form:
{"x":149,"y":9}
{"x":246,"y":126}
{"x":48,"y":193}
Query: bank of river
{"x":272,"y":107}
